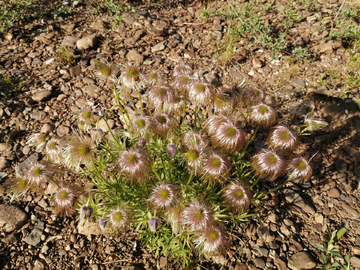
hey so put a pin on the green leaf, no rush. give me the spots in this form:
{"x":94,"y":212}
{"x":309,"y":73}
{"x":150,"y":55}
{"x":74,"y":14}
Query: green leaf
{"x":340,"y":233}
{"x":323,"y":258}
{"x":321,"y":247}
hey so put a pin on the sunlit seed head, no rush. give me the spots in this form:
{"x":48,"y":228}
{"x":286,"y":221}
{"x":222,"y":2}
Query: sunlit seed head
{"x":214,"y":122}
{"x":130,"y":75}
{"x":54,"y":149}
{"x":65,"y":199}
{"x":200,"y":93}
{"x":38,"y":140}
{"x":40,"y":173}
{"x":106,"y":70}
{"x":80,"y":150}
{"x":164,"y":124}
{"x":253,"y":96}
{"x":161,"y":95}
{"x":237,"y":196}
{"x":182,"y":68}
{"x":283,"y":139}
{"x":193,"y":155}
{"x":299,"y":170}
{"x":119,"y":217}
{"x":197,"y":216}
{"x":228,"y":137}
{"x":225,"y":101}
{"x":262,"y":115}
{"x":217,"y":166}
{"x":164,"y":195}
{"x":268,"y":164}
{"x":212,"y":240}
{"x":195,"y":140}
{"x":313,"y":124}
{"x":141,"y":125}
{"x":135,"y":163}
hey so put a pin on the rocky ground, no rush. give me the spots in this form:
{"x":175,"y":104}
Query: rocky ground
{"x":157,"y":35}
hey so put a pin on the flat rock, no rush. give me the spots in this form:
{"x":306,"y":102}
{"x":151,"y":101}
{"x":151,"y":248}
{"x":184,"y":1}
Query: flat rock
{"x":4,"y":163}
{"x":70,"y":41}
{"x":135,"y":56}
{"x":99,"y":25}
{"x":86,"y":42}
{"x":75,"y":71}
{"x":39,"y":265}
{"x":12,"y":218}
{"x":301,"y":261}
{"x":41,"y":95}
{"x":47,"y":128}
{"x":355,"y":262}
{"x":91,"y":228}
{"x":104,"y":127}
{"x":38,"y":115}
{"x":303,"y":204}
{"x":298,"y":83}
{"x":334,"y":193}
{"x":91,"y":89}
{"x":241,"y":266}
{"x":34,"y":238}
{"x":62,"y":130}
{"x":158,"y":47}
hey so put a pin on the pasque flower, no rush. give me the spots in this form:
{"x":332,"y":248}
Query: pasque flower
{"x":216,"y":166}
{"x":268,"y":164}
{"x":130,"y":75}
{"x":299,"y":170}
{"x":237,"y":196}
{"x":213,"y":123}
{"x":171,"y":150}
{"x":135,"y":163}
{"x":38,"y":140}
{"x":197,"y":216}
{"x":253,"y":96}
{"x":211,"y":240}
{"x":106,"y":70}
{"x":200,"y":93}
{"x":194,"y":140}
{"x":164,"y":195}
{"x":282,"y":139}
{"x":228,"y":137}
{"x":54,"y":150}
{"x":65,"y":199}
{"x":40,"y":173}
{"x":119,"y":217}
{"x":79,"y":150}
{"x":164,"y":123}
{"x":181,"y":69}
{"x":160,"y":95}
{"x":153,"y":224}
{"x":86,"y":212}
{"x":263,"y":115}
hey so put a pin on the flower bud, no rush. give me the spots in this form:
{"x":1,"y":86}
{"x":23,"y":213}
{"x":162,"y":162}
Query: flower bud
{"x":171,"y":150}
{"x":86,"y":212}
{"x":142,"y":142}
{"x":102,"y":223}
{"x":153,"y":224}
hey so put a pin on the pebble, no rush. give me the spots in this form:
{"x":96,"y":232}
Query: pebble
{"x":86,"y":42}
{"x":39,"y":265}
{"x":11,"y":218}
{"x":355,"y":262}
{"x":334,"y":193}
{"x":104,"y":127}
{"x":158,"y":47}
{"x":42,"y":95}
{"x":38,"y":115}
{"x":135,"y":56}
{"x":301,"y":261}
{"x":90,"y":89}
{"x":70,"y":41}
{"x":259,"y":262}
{"x":62,"y":130}
{"x":305,"y":205}
{"x":75,"y":71}
{"x":4,"y":163}
{"x":47,"y":128}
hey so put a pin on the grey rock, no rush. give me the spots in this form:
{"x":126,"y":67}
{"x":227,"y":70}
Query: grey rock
{"x":38,"y":115}
{"x":22,"y":169}
{"x":42,"y":95}
{"x":75,"y":71}
{"x":47,"y":128}
{"x":355,"y":262}
{"x":34,"y":238}
{"x":12,"y":218}
{"x":259,"y":262}
{"x":263,"y":251}
{"x":10,"y":238}
{"x":4,"y":163}
{"x":4,"y":147}
{"x":86,"y":42}
{"x":69,"y":41}
{"x":135,"y":56}
{"x":158,"y":47}
{"x":99,"y":25}
{"x":62,"y":130}
{"x":280,"y":264}
{"x":301,"y":261}
{"x":135,"y":37}
{"x":298,"y":83}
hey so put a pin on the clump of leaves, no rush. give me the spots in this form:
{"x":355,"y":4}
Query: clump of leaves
{"x":65,"y":56}
{"x":331,"y":258}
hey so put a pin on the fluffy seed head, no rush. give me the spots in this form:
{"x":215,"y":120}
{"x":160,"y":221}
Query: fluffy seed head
{"x":64,"y":199}
{"x":200,"y":93}
{"x":160,"y":95}
{"x":54,"y":149}
{"x":212,"y":240}
{"x":135,"y":163}
{"x":214,"y":122}
{"x":216,"y":166}
{"x":197,"y":216}
{"x":182,"y":68}
{"x":263,"y":115}
{"x":153,"y":77}
{"x":106,"y":70}
{"x":282,"y":139}
{"x":195,"y":159}
{"x":225,"y":101}
{"x":80,"y":150}
{"x":164,"y":195}
{"x":119,"y":217}
{"x":141,"y":125}
{"x":268,"y":164}
{"x":300,"y":170}
{"x":130,"y":75}
{"x":86,"y":119}
{"x":39,"y":174}
{"x":38,"y":140}
{"x":17,"y":185}
{"x":194,"y":140}
{"x":237,"y":196}
{"x":253,"y":96}
{"x":183,"y":81}
{"x":228,"y":137}
{"x":164,"y":123}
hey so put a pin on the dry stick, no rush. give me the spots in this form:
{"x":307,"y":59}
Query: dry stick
{"x":339,"y":9}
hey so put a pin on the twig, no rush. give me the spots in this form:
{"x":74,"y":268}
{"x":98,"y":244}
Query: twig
{"x":339,"y":9}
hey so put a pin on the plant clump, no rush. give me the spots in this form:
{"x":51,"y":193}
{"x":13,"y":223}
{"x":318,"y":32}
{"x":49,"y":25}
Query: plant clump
{"x":183,"y":181}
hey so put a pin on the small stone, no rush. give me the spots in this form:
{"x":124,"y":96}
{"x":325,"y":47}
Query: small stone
{"x":99,"y":25}
{"x":109,"y":249}
{"x":47,"y":128}
{"x":39,"y":265}
{"x":11,"y":218}
{"x":26,"y":150}
{"x":163,"y":262}
{"x":334,"y":193}
{"x":62,"y":131}
{"x":90,"y":89}
{"x":263,"y":251}
{"x":41,"y":95}
{"x":10,"y":238}
{"x":135,"y":56}
{"x":158,"y":47}
{"x":104,"y":127}
{"x":75,"y":71}
{"x":355,"y":262}
{"x":69,"y":41}
{"x":88,"y":80}
{"x":4,"y":163}
{"x":38,"y":115}
{"x":4,"y":147}
{"x":241,"y":266}
{"x":280,"y":264}
{"x":301,"y":261}
{"x":259,"y":262}
{"x":86,"y":42}
{"x":319,"y":218}
{"x":298,"y":83}
{"x":256,"y":63}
